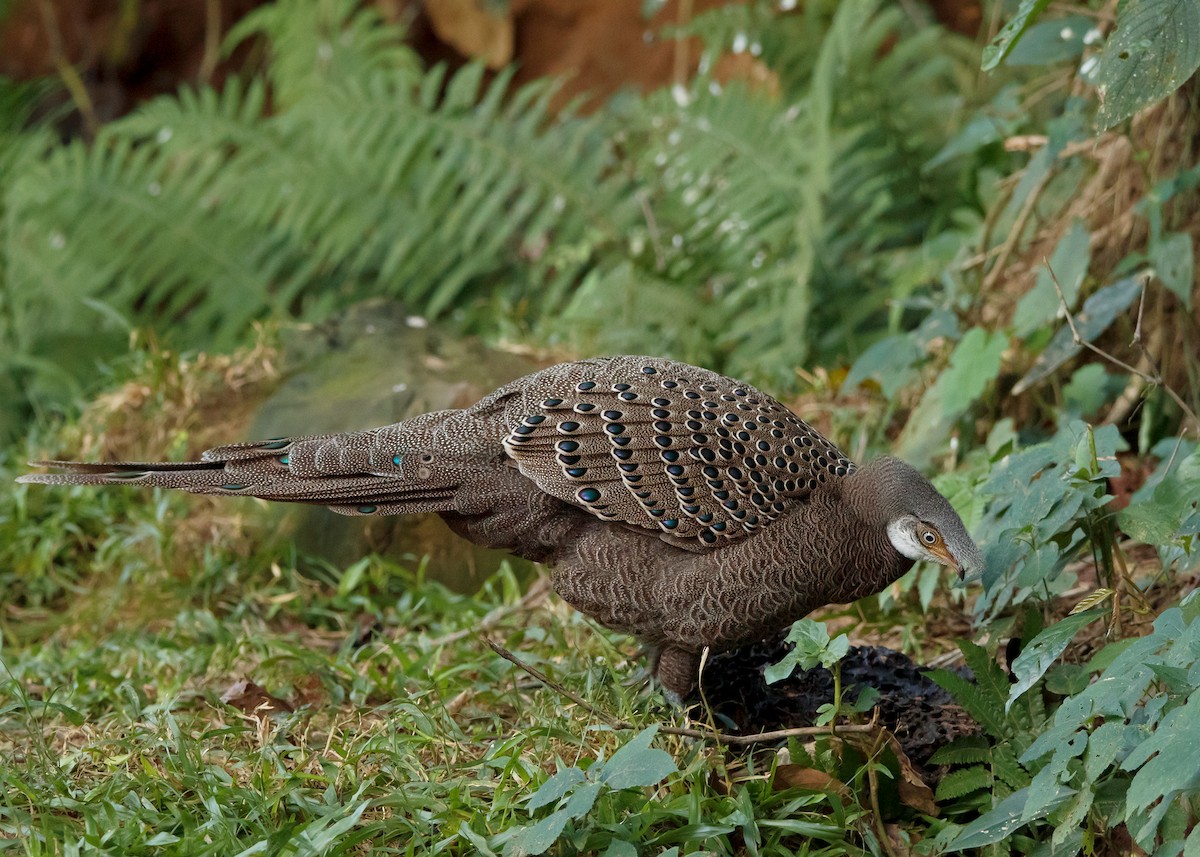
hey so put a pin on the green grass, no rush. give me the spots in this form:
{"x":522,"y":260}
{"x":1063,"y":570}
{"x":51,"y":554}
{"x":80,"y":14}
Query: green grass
{"x":408,"y":735}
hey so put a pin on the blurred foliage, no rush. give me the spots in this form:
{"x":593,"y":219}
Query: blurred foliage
{"x":698,"y":221}
{"x":963,"y":257}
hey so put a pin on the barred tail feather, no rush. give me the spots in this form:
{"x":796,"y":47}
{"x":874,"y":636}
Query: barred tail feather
{"x":352,"y":474}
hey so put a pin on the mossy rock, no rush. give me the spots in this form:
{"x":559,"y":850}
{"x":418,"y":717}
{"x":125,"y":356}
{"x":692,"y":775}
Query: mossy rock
{"x":373,"y":366}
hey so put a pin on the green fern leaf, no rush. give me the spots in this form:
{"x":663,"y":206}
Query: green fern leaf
{"x":963,"y":782}
{"x":966,"y":749}
{"x":1006,"y":767}
{"x":978,"y":703}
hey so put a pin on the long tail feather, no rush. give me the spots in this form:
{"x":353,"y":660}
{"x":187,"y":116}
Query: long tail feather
{"x":365,"y":473}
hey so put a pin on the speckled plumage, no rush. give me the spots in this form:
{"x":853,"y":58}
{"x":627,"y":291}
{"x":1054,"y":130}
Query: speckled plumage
{"x":671,"y":503}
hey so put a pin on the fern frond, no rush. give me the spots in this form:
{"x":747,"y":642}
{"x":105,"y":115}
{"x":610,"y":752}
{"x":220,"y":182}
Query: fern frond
{"x":1007,"y":769}
{"x":978,"y":703}
{"x":961,"y":783}
{"x":963,"y":750}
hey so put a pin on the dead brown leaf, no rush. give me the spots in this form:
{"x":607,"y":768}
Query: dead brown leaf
{"x":914,"y":792}
{"x":801,"y":777}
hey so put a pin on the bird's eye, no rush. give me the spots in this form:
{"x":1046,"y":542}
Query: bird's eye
{"x":929,"y":537}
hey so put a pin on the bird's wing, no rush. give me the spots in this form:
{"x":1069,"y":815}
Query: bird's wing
{"x":698,"y":457}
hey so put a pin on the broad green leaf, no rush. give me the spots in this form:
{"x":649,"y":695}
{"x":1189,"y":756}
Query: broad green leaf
{"x":1161,"y":519}
{"x":555,"y":787}
{"x":1156,"y":47}
{"x":891,"y":362}
{"x":974,"y":365}
{"x":537,"y":838}
{"x":1167,"y":760}
{"x":1068,"y":264}
{"x":812,"y":648}
{"x":1099,"y":311}
{"x":1043,"y":651}
{"x":582,"y":800}
{"x":1051,"y":41}
{"x":620,"y":848}
{"x":637,"y":763}
{"x":1004,"y":819}
{"x":1011,"y":33}
{"x":1172,"y":257}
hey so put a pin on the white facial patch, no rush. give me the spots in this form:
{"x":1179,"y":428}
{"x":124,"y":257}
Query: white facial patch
{"x":903,"y":537}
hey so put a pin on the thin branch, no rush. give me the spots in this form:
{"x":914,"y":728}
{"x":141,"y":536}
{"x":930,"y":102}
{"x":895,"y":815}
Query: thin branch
{"x":701,"y":734}
{"x":1018,"y":227}
{"x":1153,"y":379}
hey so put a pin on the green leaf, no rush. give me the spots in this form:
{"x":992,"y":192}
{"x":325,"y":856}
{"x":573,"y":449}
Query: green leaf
{"x":1161,"y":519}
{"x":982,"y":708}
{"x":891,"y":362}
{"x":974,"y":364}
{"x":620,"y":848}
{"x":1043,"y":651}
{"x":812,"y":648}
{"x":537,"y":838}
{"x":866,"y":700}
{"x":1099,"y":311}
{"x":637,"y":763}
{"x":965,"y":749}
{"x":1068,"y":264}
{"x":1173,"y":262}
{"x":1051,"y":41}
{"x":1155,"y":49}
{"x":555,"y":787}
{"x":1004,"y":819}
{"x":1168,"y":763}
{"x":1011,"y":33}
{"x":963,"y":782}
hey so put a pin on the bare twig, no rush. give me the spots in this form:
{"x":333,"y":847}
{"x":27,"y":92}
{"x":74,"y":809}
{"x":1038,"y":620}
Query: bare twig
{"x":1014,"y":235}
{"x":701,"y":734}
{"x":1154,"y":379}
{"x":873,"y":782}
{"x":66,"y":71}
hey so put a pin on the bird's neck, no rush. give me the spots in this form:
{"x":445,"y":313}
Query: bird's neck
{"x":838,"y":564}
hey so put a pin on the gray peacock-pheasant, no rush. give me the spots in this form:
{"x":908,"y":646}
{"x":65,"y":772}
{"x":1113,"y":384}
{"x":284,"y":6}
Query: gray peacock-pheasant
{"x":671,"y":503}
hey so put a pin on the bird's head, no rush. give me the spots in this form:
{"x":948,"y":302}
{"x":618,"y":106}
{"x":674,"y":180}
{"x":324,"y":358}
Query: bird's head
{"x":920,"y":523}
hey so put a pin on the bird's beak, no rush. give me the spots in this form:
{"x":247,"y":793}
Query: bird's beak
{"x":946,"y":558}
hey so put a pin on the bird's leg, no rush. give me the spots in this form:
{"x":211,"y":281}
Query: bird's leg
{"x":677,"y":670}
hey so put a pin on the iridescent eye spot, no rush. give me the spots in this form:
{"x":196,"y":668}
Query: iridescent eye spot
{"x":367,"y":510}
{"x":283,"y":459}
{"x":396,"y":459}
{"x":588,"y":495}
{"x":534,"y":419}
{"x":584,"y":386}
